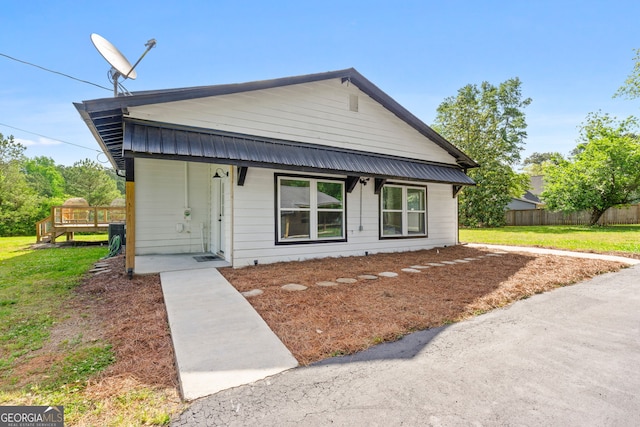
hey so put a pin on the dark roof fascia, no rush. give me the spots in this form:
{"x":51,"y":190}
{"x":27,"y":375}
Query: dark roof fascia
{"x":94,"y":131}
{"x":349,"y":74}
{"x":181,"y":94}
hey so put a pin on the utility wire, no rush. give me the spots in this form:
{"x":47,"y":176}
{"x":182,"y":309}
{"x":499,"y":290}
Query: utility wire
{"x":55,"y":72}
{"x":48,"y":137}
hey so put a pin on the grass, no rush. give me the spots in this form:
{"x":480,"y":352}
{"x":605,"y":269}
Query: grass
{"x":615,"y":238}
{"x":36,"y":287}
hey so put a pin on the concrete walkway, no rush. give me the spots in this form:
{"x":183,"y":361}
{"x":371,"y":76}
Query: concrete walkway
{"x":220,"y":341}
{"x":543,"y":251}
{"x":570,"y":357}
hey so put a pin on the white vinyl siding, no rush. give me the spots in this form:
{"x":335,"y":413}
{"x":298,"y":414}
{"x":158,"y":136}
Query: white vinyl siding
{"x":164,"y":188}
{"x":254,"y":223}
{"x":316,"y":112}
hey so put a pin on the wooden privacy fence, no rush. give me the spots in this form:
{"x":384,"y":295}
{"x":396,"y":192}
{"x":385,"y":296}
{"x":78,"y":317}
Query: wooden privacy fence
{"x":626,"y":215}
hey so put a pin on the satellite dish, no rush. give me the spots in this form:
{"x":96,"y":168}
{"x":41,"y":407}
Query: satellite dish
{"x":120,"y":66}
{"x":113,"y":56}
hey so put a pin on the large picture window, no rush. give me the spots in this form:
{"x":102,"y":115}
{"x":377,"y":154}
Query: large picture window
{"x":404,"y":211}
{"x":310,"y":210}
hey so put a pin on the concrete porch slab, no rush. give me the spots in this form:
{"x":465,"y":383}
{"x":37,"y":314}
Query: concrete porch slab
{"x":220,"y":341}
{"x":148,"y":264}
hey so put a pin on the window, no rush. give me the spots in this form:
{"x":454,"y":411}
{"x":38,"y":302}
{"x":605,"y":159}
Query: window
{"x":404,"y":211}
{"x":310,"y":210}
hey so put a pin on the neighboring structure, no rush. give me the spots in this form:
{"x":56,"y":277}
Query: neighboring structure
{"x":527,"y":201}
{"x":294,"y":168}
{"x":531,"y":198}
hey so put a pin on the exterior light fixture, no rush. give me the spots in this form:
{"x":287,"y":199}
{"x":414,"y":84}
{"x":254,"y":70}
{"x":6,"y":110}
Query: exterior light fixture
{"x":218,"y":176}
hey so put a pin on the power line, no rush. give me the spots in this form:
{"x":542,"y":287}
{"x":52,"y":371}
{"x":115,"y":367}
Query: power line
{"x":48,"y":137}
{"x":55,"y":72}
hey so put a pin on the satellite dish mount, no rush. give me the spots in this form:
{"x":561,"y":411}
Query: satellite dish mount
{"x":120,"y":66}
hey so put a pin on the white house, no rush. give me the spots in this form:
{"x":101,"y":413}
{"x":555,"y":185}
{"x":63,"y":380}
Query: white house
{"x":287,"y":169}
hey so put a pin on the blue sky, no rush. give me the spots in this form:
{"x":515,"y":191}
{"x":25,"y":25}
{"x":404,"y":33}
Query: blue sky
{"x":570,"y":55}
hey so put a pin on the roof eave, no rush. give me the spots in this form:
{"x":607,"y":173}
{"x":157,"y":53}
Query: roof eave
{"x":350,"y":74}
{"x":80,"y":107}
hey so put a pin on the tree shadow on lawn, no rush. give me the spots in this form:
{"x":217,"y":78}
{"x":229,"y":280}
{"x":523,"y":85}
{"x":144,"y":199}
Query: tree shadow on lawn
{"x":321,"y":322}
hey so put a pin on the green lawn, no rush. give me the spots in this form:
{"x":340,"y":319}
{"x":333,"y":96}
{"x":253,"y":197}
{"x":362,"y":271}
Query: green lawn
{"x":35,"y":286}
{"x":618,"y":238}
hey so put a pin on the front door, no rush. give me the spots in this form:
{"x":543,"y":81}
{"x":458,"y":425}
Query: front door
{"x":217,"y":216}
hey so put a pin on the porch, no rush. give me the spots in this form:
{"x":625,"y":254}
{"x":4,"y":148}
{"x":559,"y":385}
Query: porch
{"x":150,"y":264}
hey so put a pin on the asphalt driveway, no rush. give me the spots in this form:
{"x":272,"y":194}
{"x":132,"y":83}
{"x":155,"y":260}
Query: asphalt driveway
{"x":570,"y":357}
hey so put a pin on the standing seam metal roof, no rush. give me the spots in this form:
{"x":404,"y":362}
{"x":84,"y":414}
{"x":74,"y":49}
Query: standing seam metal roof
{"x":143,"y":139}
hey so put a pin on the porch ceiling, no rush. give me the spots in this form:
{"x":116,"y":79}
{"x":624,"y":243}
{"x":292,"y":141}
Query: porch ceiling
{"x":145,"y":139}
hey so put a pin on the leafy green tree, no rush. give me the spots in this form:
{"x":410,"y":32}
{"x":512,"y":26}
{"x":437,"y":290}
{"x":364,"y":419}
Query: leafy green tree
{"x":18,"y":202}
{"x":487,"y":123}
{"x":91,"y":181}
{"x":534,"y":164}
{"x":44,"y":177}
{"x":119,"y":180}
{"x":604,"y":171}
{"x":631,"y":87}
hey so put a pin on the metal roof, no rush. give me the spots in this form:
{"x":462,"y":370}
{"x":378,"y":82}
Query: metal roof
{"x":105,"y":117}
{"x":165,"y":141}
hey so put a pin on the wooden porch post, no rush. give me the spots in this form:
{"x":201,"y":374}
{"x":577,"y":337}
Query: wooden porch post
{"x":130,"y":194}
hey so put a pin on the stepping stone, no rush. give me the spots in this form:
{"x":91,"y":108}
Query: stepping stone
{"x":501,"y":252}
{"x":98,"y":270}
{"x":101,"y":264}
{"x":420,"y":267}
{"x":102,"y":271}
{"x":494,"y":255}
{"x":411,"y":270}
{"x":448,"y":262}
{"x":388,"y":274}
{"x":460,"y":260}
{"x":368,"y":277}
{"x":346,"y":280}
{"x":326,"y":284}
{"x":436,"y":264}
{"x":471,"y":259}
{"x":253,"y":293}
{"x":294,"y":287}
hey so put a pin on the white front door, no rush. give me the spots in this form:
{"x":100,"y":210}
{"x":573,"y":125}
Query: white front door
{"x":217,"y":216}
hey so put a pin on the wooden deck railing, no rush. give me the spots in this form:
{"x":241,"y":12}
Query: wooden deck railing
{"x":70,"y":219}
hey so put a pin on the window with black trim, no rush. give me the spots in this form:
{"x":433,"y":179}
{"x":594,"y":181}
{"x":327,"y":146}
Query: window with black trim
{"x":403,"y":211}
{"x":310,"y":209}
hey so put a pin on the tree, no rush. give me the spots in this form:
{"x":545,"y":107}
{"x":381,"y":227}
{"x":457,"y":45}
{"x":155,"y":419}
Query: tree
{"x":119,"y":180}
{"x":487,"y":123}
{"x":44,"y":177}
{"x":534,"y":164}
{"x":18,"y":202}
{"x":89,"y":180}
{"x":631,"y":87}
{"x":603,"y":172}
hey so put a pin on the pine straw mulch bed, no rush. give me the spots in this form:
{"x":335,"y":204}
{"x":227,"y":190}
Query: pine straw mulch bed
{"x":132,"y":317}
{"x":313,"y":324}
{"x":324,"y":321}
